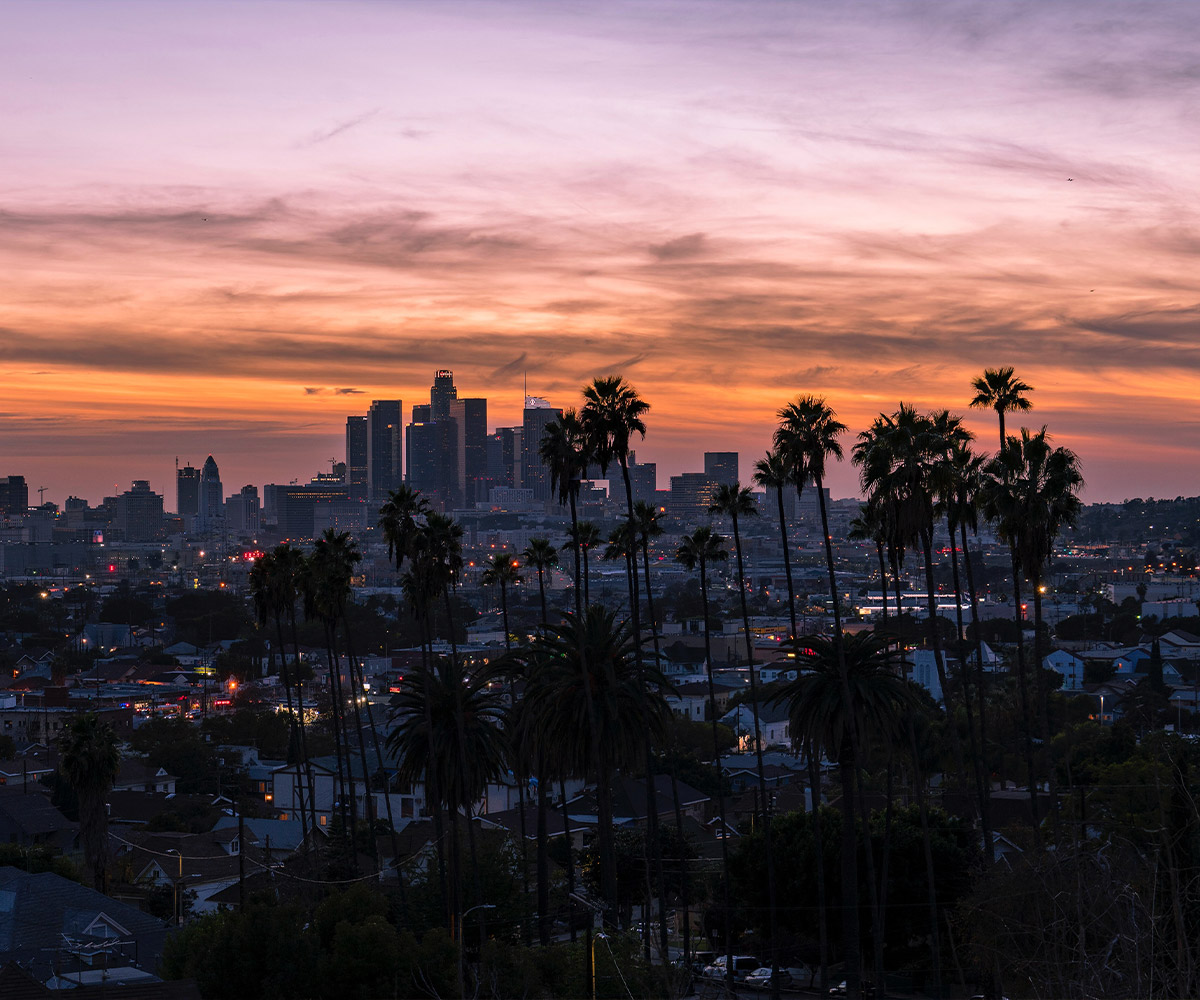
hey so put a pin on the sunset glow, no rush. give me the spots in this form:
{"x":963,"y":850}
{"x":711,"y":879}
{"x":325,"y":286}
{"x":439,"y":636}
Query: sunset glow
{"x":227,"y":226}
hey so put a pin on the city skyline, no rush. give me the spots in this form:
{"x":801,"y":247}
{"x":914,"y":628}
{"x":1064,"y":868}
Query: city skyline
{"x":228,"y":228}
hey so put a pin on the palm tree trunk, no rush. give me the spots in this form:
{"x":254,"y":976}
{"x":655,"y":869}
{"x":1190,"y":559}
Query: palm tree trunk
{"x":883,"y":586}
{"x":1039,"y":687}
{"x":850,"y":921}
{"x":308,"y":773}
{"x":543,"y":856}
{"x":294,"y":736}
{"x":652,"y":836}
{"x":814,"y":783}
{"x":542,"y":593}
{"x":935,"y":640}
{"x":926,"y":843}
{"x":519,"y":778}
{"x":787,"y":559}
{"x":981,"y":775}
{"x":369,"y":804}
{"x":433,"y":794}
{"x":772,"y":913}
{"x":980,"y":681}
{"x":849,"y":868}
{"x":1023,"y":688}
{"x":345,"y":810}
{"x":727,"y":914}
{"x":566,"y":811}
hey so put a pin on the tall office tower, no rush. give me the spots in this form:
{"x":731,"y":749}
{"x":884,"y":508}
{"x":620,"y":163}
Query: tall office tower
{"x":691,"y":494}
{"x":643,"y":478}
{"x":470,"y":419}
{"x":139,"y":512}
{"x":356,"y":457}
{"x":441,"y":393}
{"x":504,"y":457}
{"x":432,"y":460}
{"x":187,"y":494}
{"x":534,"y":473}
{"x":721,"y":466}
{"x":14,"y":495}
{"x":384,"y":448}
{"x":212,"y":500}
{"x":243,"y":511}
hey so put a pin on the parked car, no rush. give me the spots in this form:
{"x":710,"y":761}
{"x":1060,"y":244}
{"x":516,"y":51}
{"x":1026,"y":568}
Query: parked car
{"x":843,"y":990}
{"x":760,"y":979}
{"x":743,"y":965}
{"x":802,"y":975}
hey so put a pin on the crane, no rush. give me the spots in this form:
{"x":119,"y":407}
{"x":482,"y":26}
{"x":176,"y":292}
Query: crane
{"x":41,"y":491}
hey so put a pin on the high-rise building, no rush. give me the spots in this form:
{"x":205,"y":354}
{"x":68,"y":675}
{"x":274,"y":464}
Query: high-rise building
{"x":139,"y":512}
{"x":721,"y":467}
{"x":384,"y":448}
{"x":441,"y":394}
{"x":356,"y":457}
{"x":187,"y":493}
{"x":643,"y":478}
{"x":535,"y":475}
{"x":504,"y":457}
{"x":211,"y":499}
{"x":691,"y":494}
{"x":14,"y":495}
{"x":470,"y":419}
{"x":243,"y":511}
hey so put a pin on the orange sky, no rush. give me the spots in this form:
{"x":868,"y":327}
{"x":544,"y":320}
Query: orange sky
{"x":225,"y":227}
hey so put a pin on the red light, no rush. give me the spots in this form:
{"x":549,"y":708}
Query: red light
{"x":112,"y":568}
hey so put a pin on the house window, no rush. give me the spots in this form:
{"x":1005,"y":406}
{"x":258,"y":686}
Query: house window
{"x":324,"y":819}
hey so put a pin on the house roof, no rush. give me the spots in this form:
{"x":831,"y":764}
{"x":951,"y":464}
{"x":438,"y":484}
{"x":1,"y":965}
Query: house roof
{"x":38,"y":909}
{"x":33,"y":813}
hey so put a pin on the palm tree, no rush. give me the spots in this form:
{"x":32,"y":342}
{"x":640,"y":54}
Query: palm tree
{"x":267,"y":588}
{"x":843,"y":728}
{"x":585,"y":536}
{"x":773,"y":472}
{"x":451,"y":728}
{"x":401,"y":518}
{"x":733,"y":500}
{"x":566,"y":451}
{"x":698,"y":551}
{"x":612,"y":413}
{"x":541,"y":555}
{"x":594,"y":707}
{"x":90,"y":762}
{"x":502,"y":571}
{"x":1031,"y":491}
{"x":999,"y":389}
{"x":331,"y":568}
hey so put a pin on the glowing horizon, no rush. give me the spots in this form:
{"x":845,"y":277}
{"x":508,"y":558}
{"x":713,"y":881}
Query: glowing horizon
{"x":212,"y":210}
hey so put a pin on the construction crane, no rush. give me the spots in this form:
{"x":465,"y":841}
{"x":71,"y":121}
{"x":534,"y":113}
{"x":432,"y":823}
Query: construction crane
{"x":41,"y":490}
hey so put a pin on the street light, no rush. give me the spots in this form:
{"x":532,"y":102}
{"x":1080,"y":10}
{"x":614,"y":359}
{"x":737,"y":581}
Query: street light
{"x":462,"y":920}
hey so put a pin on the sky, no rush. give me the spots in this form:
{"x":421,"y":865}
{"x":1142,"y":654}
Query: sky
{"x":226,"y":226}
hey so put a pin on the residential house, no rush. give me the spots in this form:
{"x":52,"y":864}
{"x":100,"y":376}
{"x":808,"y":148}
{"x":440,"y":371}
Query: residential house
{"x":51,"y":925}
{"x":1068,"y":665}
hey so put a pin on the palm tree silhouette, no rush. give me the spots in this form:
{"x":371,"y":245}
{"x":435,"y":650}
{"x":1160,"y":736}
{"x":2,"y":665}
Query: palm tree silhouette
{"x":542,"y":556}
{"x":827,"y":721}
{"x":807,"y":435}
{"x":735,"y":501}
{"x":698,"y":551}
{"x":999,"y":389}
{"x":612,"y":413}
{"x":90,"y":762}
{"x":773,"y":472}
{"x":502,"y":571}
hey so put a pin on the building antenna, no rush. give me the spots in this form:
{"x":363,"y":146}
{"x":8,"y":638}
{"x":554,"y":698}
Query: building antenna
{"x":526,"y":385}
